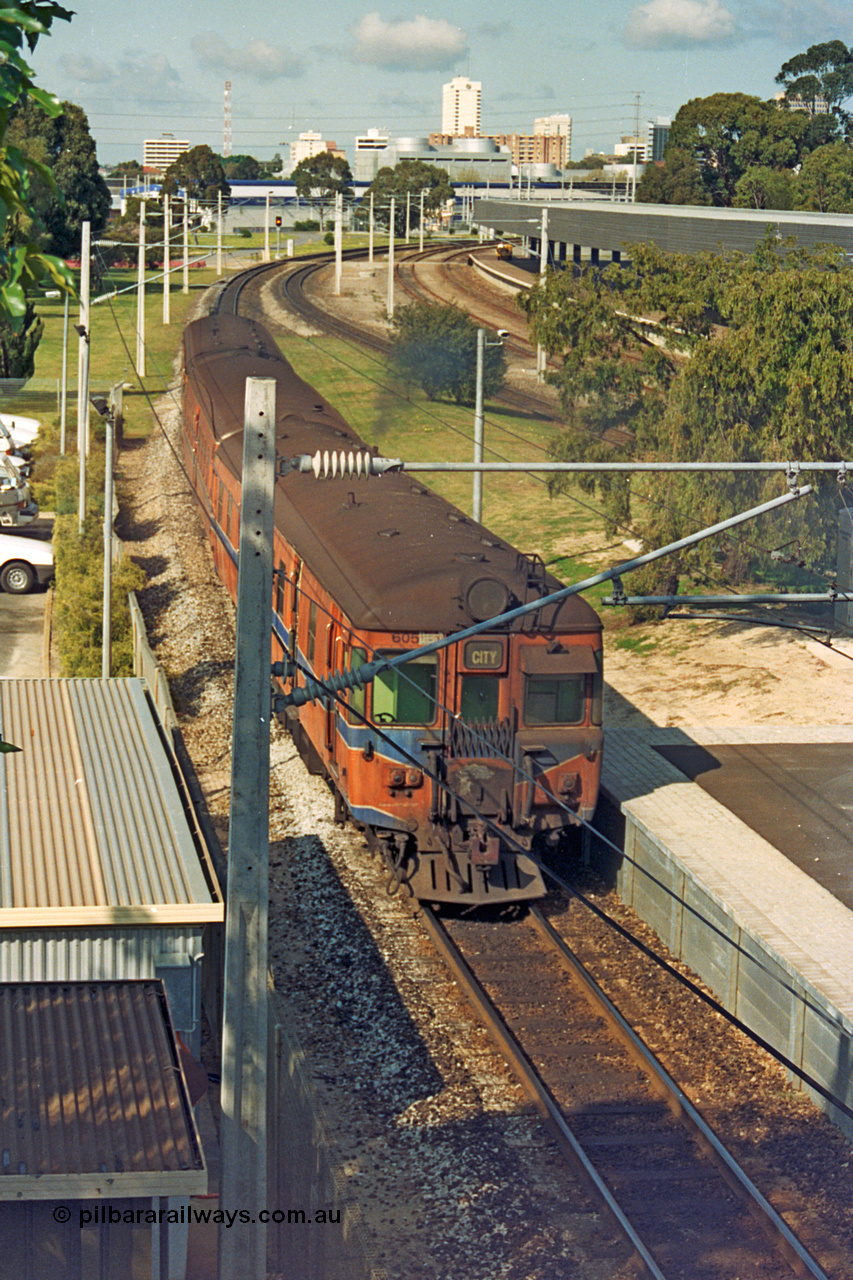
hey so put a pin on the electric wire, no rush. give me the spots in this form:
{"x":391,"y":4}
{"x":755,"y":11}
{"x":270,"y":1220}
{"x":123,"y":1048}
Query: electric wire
{"x":573,"y":817}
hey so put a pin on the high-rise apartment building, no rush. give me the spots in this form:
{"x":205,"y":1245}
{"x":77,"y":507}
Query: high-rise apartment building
{"x":557,"y":126}
{"x":549,"y":143}
{"x":460,"y":108}
{"x":159,"y":153}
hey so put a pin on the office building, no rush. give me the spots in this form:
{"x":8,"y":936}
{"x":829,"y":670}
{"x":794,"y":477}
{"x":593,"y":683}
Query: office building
{"x":460,"y":108}
{"x":159,"y":153}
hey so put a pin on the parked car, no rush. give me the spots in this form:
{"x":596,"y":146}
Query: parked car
{"x":24,"y":562}
{"x":16,"y":502}
{"x":22,"y":430}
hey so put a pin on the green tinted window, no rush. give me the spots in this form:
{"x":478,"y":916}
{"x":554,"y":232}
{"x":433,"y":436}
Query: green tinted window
{"x":479,"y":698}
{"x":406,"y":694}
{"x":312,"y":632}
{"x":555,"y":700}
{"x":357,"y":697}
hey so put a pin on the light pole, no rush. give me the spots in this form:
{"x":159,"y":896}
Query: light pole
{"x":479,"y":422}
{"x":390,"y":298}
{"x":108,"y":415}
{"x":82,"y":425}
{"x":541,"y":357}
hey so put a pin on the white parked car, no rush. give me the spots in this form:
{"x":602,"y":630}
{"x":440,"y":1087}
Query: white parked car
{"x":22,"y":430}
{"x":24,"y":562}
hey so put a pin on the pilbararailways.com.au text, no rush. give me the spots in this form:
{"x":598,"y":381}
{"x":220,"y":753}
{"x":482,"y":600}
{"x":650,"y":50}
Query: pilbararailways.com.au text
{"x":108,"y":1214}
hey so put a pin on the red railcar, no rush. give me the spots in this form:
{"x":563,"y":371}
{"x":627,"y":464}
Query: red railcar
{"x":458,"y":763}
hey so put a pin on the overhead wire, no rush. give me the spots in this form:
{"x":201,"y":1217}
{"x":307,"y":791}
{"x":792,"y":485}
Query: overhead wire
{"x":378,"y":730}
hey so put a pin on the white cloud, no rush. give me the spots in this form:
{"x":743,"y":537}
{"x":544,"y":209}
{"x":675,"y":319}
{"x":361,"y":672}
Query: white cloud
{"x":678,"y":24}
{"x":89,"y":70}
{"x":257,"y":58}
{"x":417,"y":44}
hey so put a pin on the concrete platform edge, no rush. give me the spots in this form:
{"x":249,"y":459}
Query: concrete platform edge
{"x":781,"y":954}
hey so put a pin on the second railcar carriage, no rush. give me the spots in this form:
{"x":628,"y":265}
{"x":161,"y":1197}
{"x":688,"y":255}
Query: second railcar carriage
{"x":456,"y":764}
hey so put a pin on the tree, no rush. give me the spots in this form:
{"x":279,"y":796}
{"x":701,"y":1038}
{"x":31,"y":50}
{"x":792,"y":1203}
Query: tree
{"x":819,"y":79}
{"x":677,"y":181}
{"x":241,"y":168}
{"x":199,"y":173}
{"x":714,"y":141}
{"x":738,"y":358}
{"x":127,"y":169}
{"x":78,"y":193}
{"x":761,"y":187}
{"x":22,"y":263}
{"x":409,"y":177}
{"x":436,"y":347}
{"x":18,"y":344}
{"x":825,"y":180}
{"x":322,"y":177}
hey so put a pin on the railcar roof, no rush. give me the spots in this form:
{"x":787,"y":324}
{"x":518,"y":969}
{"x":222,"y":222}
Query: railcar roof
{"x":393,"y":553}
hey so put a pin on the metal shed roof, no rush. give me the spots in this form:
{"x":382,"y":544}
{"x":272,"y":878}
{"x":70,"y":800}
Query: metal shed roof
{"x":92,"y":1098}
{"x":682,"y":228}
{"x":93,"y":827}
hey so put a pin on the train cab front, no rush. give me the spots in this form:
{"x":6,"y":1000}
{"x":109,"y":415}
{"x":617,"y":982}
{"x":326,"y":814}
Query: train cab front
{"x":520,"y":761}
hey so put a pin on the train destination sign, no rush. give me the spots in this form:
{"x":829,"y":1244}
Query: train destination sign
{"x":483,"y":655}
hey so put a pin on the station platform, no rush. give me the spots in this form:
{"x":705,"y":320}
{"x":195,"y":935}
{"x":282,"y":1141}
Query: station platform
{"x":746,"y":874}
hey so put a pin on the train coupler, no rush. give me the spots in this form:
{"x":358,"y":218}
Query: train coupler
{"x":484,"y":848}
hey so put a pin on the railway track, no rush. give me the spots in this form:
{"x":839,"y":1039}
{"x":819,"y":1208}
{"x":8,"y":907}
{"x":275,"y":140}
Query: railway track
{"x":642,"y":1151}
{"x":293,"y":288}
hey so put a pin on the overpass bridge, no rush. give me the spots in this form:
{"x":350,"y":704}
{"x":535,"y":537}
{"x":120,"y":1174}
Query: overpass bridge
{"x":587,"y":230}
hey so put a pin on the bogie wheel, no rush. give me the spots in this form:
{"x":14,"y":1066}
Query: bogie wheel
{"x":17,"y":578}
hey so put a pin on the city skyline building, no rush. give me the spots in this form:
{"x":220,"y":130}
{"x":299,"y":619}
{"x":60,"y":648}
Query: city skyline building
{"x":310,"y":144}
{"x":159,"y":153}
{"x":461,"y":102}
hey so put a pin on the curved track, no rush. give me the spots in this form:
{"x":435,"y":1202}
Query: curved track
{"x":644,"y":1154}
{"x":293,"y":286}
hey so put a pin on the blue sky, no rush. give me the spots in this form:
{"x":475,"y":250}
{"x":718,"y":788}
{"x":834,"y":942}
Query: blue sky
{"x":153,"y":66}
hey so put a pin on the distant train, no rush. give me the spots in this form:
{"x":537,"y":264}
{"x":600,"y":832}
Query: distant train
{"x":456,"y":764}
{"x":503,"y":249}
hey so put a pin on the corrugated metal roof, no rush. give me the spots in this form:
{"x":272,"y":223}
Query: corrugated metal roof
{"x":682,"y":228}
{"x":92,"y":1098}
{"x":93,"y":829}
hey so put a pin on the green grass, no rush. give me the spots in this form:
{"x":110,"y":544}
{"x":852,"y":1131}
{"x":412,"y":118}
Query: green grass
{"x":397,"y":419}
{"x":401,"y":422}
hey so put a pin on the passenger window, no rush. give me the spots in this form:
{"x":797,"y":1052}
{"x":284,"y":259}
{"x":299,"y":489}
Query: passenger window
{"x":358,"y":696}
{"x":280,"y":584}
{"x":312,"y":632}
{"x":553,"y":700}
{"x":406,"y":694}
{"x":478,"y":698}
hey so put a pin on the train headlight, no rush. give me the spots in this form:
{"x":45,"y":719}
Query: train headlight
{"x":486,"y":598}
{"x":398,"y":777}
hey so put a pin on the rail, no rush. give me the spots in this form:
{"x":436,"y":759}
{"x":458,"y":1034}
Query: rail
{"x":777,"y":1233}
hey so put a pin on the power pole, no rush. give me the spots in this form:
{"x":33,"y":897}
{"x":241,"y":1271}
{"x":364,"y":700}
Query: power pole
{"x":541,"y":357}
{"x":242,"y":1248}
{"x":226,"y":128}
{"x":636,"y":136}
{"x":140,"y":296}
{"x":186,"y":283}
{"x":370,"y":234}
{"x":83,"y":373}
{"x":167,"y":254}
{"x":390,"y":299}
{"x":339,"y":240}
{"x":477,"y":495}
